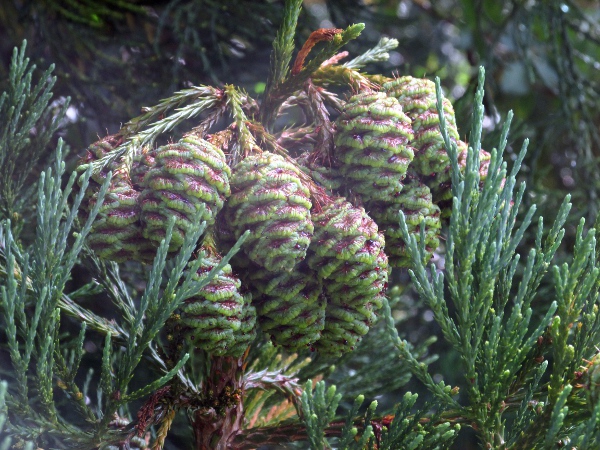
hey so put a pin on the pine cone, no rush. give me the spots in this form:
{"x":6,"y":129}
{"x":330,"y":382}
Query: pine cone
{"x":186,"y":175}
{"x":351,"y":310}
{"x":418,"y":99}
{"x":416,"y":204}
{"x":347,"y":251}
{"x":269,"y":199}
{"x":116,"y":234}
{"x":372,"y":143}
{"x":213,"y":316}
{"x":290,"y":306}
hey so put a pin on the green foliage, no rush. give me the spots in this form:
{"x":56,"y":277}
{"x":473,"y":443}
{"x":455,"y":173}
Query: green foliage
{"x":28,"y":123}
{"x":318,"y":411}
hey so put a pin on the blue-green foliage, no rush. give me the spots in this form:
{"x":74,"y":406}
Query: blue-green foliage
{"x":35,"y":279}
{"x":24,"y":107}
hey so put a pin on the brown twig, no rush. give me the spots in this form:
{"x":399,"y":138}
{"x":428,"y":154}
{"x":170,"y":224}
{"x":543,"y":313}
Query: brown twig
{"x":322,"y":34}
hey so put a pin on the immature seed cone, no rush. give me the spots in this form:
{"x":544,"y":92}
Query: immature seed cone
{"x":416,"y":204}
{"x":94,"y":152}
{"x":352,"y":308}
{"x":290,"y":306}
{"x":418,"y":99}
{"x":185,"y":176}
{"x":347,"y":252}
{"x":373,"y":144}
{"x":116,"y":234}
{"x":213,"y":316}
{"x":269,"y":199}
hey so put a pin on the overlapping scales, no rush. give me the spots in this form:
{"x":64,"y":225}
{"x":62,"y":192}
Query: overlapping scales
{"x":213,"y":317}
{"x":290,"y":306}
{"x":352,"y":307}
{"x":116,"y":234}
{"x":325,"y":175}
{"x":142,"y":163}
{"x":185,"y":176}
{"x":348,"y":253}
{"x":269,"y":199}
{"x":415,"y":202}
{"x":373,"y":144}
{"x":94,"y":152}
{"x":247,"y":332}
{"x":343,"y":233}
{"x":418,"y":99}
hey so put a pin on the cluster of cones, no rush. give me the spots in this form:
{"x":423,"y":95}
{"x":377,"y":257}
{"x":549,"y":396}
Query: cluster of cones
{"x":314,"y":268}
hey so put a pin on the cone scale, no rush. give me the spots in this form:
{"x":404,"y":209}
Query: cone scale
{"x":212,"y":318}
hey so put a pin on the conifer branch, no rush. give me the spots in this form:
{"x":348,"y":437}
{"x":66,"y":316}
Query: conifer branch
{"x":158,"y":111}
{"x":378,"y":53}
{"x":318,"y":410}
{"x":419,"y":369}
{"x":245,"y":139}
{"x":208,"y":99}
{"x":295,"y":80}
{"x":24,"y":107}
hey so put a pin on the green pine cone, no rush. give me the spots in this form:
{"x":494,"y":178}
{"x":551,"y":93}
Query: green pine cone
{"x":247,"y":332}
{"x":269,"y":199}
{"x":343,"y":234}
{"x":347,"y":252}
{"x":416,"y":203}
{"x":290,"y":306}
{"x":186,"y":175}
{"x":213,"y":316}
{"x":353,"y":299}
{"x":116,"y":234}
{"x":418,"y":99}
{"x":372,"y":143}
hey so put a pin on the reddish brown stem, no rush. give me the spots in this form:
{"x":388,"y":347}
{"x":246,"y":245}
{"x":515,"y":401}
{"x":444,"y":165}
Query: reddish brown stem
{"x":217,"y":425}
{"x":322,"y":34}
